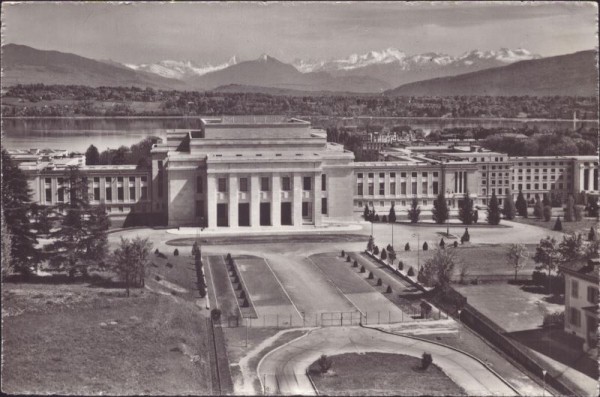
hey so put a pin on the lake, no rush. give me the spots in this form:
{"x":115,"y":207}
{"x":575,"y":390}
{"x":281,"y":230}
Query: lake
{"x":77,"y":134}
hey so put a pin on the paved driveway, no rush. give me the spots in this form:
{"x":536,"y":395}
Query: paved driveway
{"x":283,"y":371}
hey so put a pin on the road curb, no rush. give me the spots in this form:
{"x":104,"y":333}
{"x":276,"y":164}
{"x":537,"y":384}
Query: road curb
{"x":452,"y":348}
{"x":262,"y":386}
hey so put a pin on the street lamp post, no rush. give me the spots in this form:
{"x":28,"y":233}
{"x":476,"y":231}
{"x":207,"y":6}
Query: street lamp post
{"x":544,"y":372}
{"x":418,"y":253}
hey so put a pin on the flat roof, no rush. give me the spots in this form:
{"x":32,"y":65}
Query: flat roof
{"x":253,"y":121}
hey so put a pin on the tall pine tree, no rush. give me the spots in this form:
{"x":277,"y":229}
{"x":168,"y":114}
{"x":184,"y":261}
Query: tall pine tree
{"x":440,"y":209}
{"x":465,"y":212}
{"x":509,"y":210}
{"x":392,"y":214}
{"x":493,"y":211}
{"x":16,"y":208}
{"x":92,"y":156}
{"x":521,"y":205}
{"x":414,"y":212}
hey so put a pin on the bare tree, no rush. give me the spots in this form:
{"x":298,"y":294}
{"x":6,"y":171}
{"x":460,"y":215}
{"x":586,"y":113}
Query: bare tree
{"x":517,"y":255}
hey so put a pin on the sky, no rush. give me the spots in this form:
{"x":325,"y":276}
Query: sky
{"x":214,"y":32}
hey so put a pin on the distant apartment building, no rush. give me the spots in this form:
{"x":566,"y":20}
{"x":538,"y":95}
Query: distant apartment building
{"x":259,"y":171}
{"x":581,"y":300}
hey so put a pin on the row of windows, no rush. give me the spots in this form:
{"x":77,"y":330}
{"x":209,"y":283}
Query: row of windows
{"x":592,"y":292}
{"x":392,"y":188}
{"x":61,"y":190}
{"x":371,"y":175}
{"x":402,"y":203}
{"x":324,"y":208}
{"x":265,"y":184}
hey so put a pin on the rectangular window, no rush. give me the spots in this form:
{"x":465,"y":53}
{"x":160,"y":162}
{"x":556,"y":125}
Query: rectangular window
{"x":359,"y":175}
{"x":382,"y":175}
{"x":120,"y":193}
{"x":243,"y":182}
{"x":48,"y":181}
{"x":392,"y":174}
{"x":96,"y":193}
{"x":286,"y":184}
{"x":222,"y":185}
{"x":574,"y":317}
{"x":324,"y":182}
{"x":592,"y":294}
{"x":424,"y":187}
{"x":48,"y":195}
{"x":264,"y":184}
{"x":371,"y":175}
{"x":574,"y":289}
{"x":414,"y":174}
{"x":435,"y":188}
{"x":144,"y":190}
{"x":131,"y":192}
{"x":403,"y":188}
{"x":382,"y":188}
{"x":435,"y":174}
{"x":360,"y":189}
{"x":324,"y":205}
{"x":371,"y":189}
{"x":393,"y":188}
{"x":403,"y":174}
{"x":307,"y":183}
{"x":120,"y":179}
{"x":144,"y":179}
{"x":199,"y":184}
{"x":414,"y":188}
{"x":424,"y":175}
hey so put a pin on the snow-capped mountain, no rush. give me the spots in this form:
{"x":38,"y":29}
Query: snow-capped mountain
{"x":406,"y":62}
{"x":181,"y":70}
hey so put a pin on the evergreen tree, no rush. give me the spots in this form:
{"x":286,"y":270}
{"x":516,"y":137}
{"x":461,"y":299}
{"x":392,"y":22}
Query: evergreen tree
{"x":80,"y":240}
{"x":392,"y":214}
{"x":547,"y":213}
{"x":367,"y":213}
{"x":16,"y":209}
{"x":414,"y":212}
{"x":440,"y":209}
{"x":465,"y":211}
{"x":570,"y":209}
{"x":509,"y":210}
{"x":538,"y":208}
{"x":521,"y":205}
{"x":130,"y":260}
{"x":592,"y":207}
{"x":546,"y":200}
{"x":557,"y":225}
{"x":370,"y":244}
{"x":493,"y":211}
{"x":92,"y":156}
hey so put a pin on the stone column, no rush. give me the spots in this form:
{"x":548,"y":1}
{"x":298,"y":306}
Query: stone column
{"x":316,"y":193}
{"x":276,"y":200}
{"x":297,"y":201}
{"x":211,"y":201}
{"x":233,"y":201}
{"x":255,"y":201}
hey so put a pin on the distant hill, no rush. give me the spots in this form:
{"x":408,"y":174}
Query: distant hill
{"x":572,"y":74}
{"x":238,"y":88}
{"x":25,"y":65}
{"x":268,"y":72}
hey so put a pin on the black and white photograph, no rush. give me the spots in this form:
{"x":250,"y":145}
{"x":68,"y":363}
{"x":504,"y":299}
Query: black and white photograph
{"x":379,"y":198}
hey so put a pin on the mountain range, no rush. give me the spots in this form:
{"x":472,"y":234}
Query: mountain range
{"x":372,"y":73}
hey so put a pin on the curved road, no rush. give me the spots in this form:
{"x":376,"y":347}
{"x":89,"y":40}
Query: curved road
{"x":283,"y":370}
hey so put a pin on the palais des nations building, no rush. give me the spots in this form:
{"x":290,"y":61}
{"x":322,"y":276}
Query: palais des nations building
{"x":265,"y":171}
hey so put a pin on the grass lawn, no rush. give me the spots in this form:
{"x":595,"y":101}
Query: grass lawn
{"x":77,"y":339}
{"x":382,"y":374}
{"x":583,"y":226}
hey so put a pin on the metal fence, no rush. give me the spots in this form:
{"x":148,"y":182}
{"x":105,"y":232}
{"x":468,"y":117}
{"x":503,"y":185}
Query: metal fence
{"x":333,"y":319}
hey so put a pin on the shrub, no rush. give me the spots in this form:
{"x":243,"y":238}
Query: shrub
{"x":400,"y":265}
{"x":245,"y":303}
{"x":376,"y":218}
{"x":383,"y":254}
{"x":169,"y":265}
{"x":343,"y":254}
{"x":442,"y":243}
{"x":324,"y":363}
{"x":379,"y":282}
{"x":551,"y":319}
{"x":243,"y":294}
{"x":384,"y":219}
{"x":466,"y":237}
{"x":228,"y":257}
{"x":157,"y":278}
{"x":410,"y":272}
{"x":389,"y":248}
{"x":362,"y":269}
{"x":425,"y":246}
{"x":557,"y":225}
{"x":389,"y":289}
{"x":348,"y":258}
{"x":215,"y":314}
{"x":370,"y":276}
{"x":156,"y":252}
{"x":475,"y":281}
{"x":426,"y":361}
{"x":455,"y":244}
{"x":407,"y":247}
{"x":355,"y":264}
{"x":376,"y":250}
{"x":176,"y":252}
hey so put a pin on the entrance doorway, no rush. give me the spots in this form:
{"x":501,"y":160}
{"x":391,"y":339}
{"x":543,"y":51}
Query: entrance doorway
{"x":244,"y":214}
{"x":286,"y":214}
{"x":306,"y":211}
{"x":265,"y":214}
{"x":222,"y":215}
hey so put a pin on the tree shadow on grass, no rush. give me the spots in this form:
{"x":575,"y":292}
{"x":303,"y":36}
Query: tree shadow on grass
{"x":560,"y":346}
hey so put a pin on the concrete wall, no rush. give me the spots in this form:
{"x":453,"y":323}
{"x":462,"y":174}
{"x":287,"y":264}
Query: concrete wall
{"x":340,"y":190}
{"x":181,"y":197}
